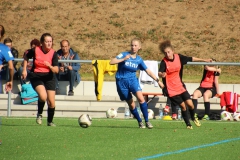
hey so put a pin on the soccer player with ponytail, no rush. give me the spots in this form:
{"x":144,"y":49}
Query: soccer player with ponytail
{"x":209,"y":87}
{"x":45,"y":65}
{"x":127,"y":82}
{"x":171,"y":69}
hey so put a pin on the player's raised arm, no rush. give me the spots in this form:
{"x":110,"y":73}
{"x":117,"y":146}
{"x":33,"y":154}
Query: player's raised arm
{"x":116,"y":60}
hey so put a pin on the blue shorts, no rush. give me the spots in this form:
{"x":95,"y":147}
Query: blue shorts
{"x":125,"y":88}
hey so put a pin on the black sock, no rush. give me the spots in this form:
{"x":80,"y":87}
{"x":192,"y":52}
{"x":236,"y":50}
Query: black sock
{"x":50,"y":114}
{"x":174,"y":109}
{"x":195,"y":103}
{"x":191,"y":111}
{"x":185,"y":118}
{"x":207,"y":108}
{"x":40,"y":107}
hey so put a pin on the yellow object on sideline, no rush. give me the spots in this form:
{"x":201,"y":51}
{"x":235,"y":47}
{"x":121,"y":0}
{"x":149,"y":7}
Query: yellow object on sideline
{"x":101,"y":67}
{"x":167,"y":118}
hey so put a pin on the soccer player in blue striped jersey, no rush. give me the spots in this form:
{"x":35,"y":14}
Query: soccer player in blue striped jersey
{"x":127,"y":82}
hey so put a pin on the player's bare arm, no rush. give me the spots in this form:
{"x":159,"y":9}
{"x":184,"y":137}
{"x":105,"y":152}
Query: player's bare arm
{"x":151,"y":74}
{"x":162,"y":74}
{"x":195,"y":59}
{"x":116,"y":61}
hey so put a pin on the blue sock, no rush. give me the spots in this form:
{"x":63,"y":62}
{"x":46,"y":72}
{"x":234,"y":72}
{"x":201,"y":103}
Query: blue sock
{"x":136,"y":115}
{"x":144,"y":109}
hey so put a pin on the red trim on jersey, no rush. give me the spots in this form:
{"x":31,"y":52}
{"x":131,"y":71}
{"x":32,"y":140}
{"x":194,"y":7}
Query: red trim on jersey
{"x":40,"y":57}
{"x":173,"y":81}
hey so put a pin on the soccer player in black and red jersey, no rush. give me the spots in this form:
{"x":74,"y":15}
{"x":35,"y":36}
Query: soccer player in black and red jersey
{"x":171,"y":69}
{"x":45,"y":64}
{"x":208,"y":88}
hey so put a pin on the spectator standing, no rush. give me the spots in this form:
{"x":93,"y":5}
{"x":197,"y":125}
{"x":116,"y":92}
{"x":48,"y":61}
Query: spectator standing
{"x":33,"y":43}
{"x":45,"y":65}
{"x":67,"y":71}
{"x":171,"y":69}
{"x":209,"y":87}
{"x":8,"y":42}
{"x":127,"y":82}
{"x":6,"y":55}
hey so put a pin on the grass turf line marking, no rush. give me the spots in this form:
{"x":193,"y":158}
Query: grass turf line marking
{"x":189,"y":149}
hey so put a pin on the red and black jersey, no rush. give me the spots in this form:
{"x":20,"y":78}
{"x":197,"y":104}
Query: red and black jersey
{"x":39,"y":57}
{"x":173,"y":80}
{"x":208,"y":79}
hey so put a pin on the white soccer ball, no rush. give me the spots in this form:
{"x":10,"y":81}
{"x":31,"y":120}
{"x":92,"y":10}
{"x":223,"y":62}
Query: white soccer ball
{"x":226,"y":116}
{"x":85,"y":121}
{"x":111,"y":113}
{"x":150,"y":114}
{"x":236,"y":116}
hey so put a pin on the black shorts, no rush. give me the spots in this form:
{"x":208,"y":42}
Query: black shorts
{"x":46,"y":79}
{"x":213,"y":90}
{"x":178,"y":99}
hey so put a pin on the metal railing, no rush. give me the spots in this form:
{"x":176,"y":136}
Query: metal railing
{"x":190,"y":63}
{"x":90,"y":61}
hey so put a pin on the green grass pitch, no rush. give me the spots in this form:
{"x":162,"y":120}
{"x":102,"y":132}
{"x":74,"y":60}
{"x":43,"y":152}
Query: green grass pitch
{"x":117,"y":139}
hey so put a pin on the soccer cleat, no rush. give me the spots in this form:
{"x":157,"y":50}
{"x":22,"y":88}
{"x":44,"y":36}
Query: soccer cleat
{"x":189,"y":127}
{"x":141,"y":125}
{"x":149,"y":125}
{"x":51,"y":124}
{"x":174,"y":116}
{"x":197,"y":123}
{"x":205,"y":117}
{"x":39,"y":119}
{"x":71,"y":93}
{"x":166,"y":109}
